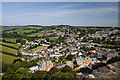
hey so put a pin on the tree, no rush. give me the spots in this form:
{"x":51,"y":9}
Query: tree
{"x":54,"y":70}
{"x":39,"y":75}
{"x":5,"y":66}
{"x":8,"y":74}
{"x":61,"y":76}
{"x":17,"y":60}
{"x":16,"y":66}
{"x":66,"y":69}
{"x":70,"y":57}
{"x":21,"y":73}
{"x":61,"y":58}
{"x":20,"y":41}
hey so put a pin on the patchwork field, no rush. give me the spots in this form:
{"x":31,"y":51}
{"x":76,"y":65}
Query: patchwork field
{"x":8,"y":47}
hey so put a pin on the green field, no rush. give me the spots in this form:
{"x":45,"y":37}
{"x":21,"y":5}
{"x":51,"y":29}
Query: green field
{"x":8,"y":28}
{"x":35,"y":27}
{"x":9,"y":50}
{"x":9,"y":39}
{"x":39,"y":47}
{"x":25,"y":39}
{"x":21,"y":31}
{"x":38,"y":34}
{"x":53,"y":38}
{"x":10,"y":44}
{"x":8,"y":59}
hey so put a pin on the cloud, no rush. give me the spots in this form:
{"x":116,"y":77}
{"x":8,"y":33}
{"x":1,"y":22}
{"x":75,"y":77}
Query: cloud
{"x":66,"y":6}
{"x":63,"y":11}
{"x":68,"y":12}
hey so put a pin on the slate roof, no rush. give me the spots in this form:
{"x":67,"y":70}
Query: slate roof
{"x":111,"y":54}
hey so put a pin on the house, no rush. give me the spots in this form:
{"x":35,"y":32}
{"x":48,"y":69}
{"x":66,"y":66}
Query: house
{"x":99,"y":56}
{"x":33,"y":69}
{"x":69,"y":63}
{"x":60,"y":66}
{"x":42,"y":65}
{"x":82,"y":61}
{"x":74,"y":52}
{"x":45,"y":65}
{"x":110,"y":55}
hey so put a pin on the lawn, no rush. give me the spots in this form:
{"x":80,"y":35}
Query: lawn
{"x":9,"y":50}
{"x":39,"y":47}
{"x":8,"y":59}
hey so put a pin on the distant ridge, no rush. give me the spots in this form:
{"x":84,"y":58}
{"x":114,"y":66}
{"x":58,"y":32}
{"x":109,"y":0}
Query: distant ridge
{"x":63,"y":25}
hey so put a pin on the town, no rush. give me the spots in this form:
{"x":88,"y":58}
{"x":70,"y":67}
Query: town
{"x":70,"y":49}
{"x":60,"y":51}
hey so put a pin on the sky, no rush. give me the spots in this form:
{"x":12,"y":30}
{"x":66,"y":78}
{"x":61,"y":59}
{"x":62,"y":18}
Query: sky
{"x":60,"y":13}
{"x":0,"y":13}
{"x":60,"y":0}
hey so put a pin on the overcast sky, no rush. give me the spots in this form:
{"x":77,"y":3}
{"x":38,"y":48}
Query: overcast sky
{"x":56,"y":13}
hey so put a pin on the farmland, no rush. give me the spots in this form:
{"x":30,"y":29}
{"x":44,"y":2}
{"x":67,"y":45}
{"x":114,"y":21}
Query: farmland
{"x":41,"y":33}
{"x":35,"y":27}
{"x":9,"y":50}
{"x":9,"y":39}
{"x":8,"y":59}
{"x":36,"y":34}
{"x":9,"y":44}
{"x":21,"y":31}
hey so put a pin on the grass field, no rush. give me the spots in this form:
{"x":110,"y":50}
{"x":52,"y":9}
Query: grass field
{"x":8,"y":28}
{"x":7,"y":58}
{"x":38,"y":34}
{"x":10,"y":44}
{"x":35,"y":27}
{"x":53,"y":38}
{"x":25,"y":39}
{"x":21,"y":31}
{"x":9,"y":39}
{"x":39,"y":47}
{"x":9,"y":50}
